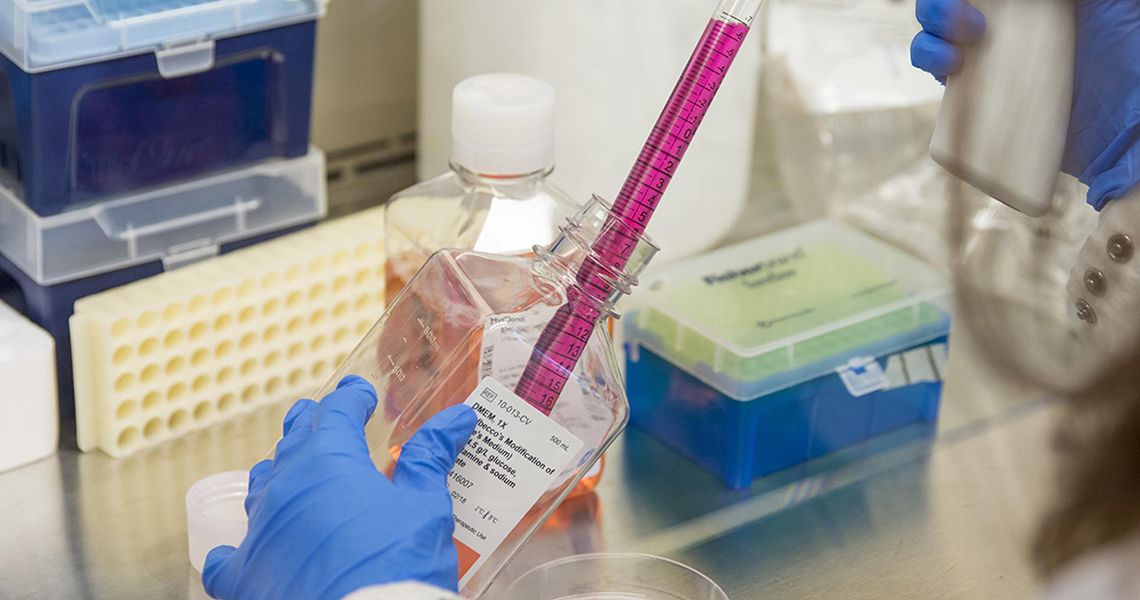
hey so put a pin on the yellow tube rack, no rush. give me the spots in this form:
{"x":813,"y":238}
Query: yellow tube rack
{"x":184,"y":349}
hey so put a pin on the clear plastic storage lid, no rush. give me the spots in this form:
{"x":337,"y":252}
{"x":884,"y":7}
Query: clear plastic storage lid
{"x":39,"y":35}
{"x":776,"y":311}
{"x":175,"y":224}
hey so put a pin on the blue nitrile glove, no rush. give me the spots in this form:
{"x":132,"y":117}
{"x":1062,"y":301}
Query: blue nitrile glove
{"x":1104,"y":130}
{"x":323,"y":522}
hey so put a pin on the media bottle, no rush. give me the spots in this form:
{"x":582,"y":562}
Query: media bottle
{"x":462,"y":330}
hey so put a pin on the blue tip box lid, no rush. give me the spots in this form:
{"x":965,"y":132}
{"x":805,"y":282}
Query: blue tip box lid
{"x":782,"y":309}
{"x":41,"y":35}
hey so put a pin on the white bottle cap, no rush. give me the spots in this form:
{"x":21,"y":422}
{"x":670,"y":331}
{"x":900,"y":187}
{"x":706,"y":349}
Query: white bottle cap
{"x":502,"y":124}
{"x":215,"y":514}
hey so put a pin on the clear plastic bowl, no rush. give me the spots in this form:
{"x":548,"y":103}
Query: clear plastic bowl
{"x":614,"y":577}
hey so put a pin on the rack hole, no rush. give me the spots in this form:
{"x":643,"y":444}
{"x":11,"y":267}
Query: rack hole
{"x":362,"y":327}
{"x":125,"y":382}
{"x":247,"y":341}
{"x":175,"y":365}
{"x":317,"y":265}
{"x":203,"y":410}
{"x":225,"y":375}
{"x":294,"y":325}
{"x":293,"y":299}
{"x":362,"y":302}
{"x":270,"y":281}
{"x":316,"y":292}
{"x":272,"y":387}
{"x":148,"y":374}
{"x":249,"y":394}
{"x":122,"y":355}
{"x":222,"y":296}
{"x":271,"y":333}
{"x":176,"y":392}
{"x":178,"y":421}
{"x":270,"y":307}
{"x":360,"y":277}
{"x":248,"y":367}
{"x":341,"y":335}
{"x":126,"y":409}
{"x":197,"y":303}
{"x":128,"y":438}
{"x":317,"y":343}
{"x":152,"y":428}
{"x":295,"y":377}
{"x":272,"y":359}
{"x":172,"y":311}
{"x":246,"y":315}
{"x":224,"y":349}
{"x":151,"y":400}
{"x":319,"y":369}
{"x":340,"y":310}
{"x":226,"y":403}
{"x":223,"y":322}
{"x":119,"y":328}
{"x":295,"y":350}
{"x":172,"y":339}
{"x":200,"y":383}
{"x":361,"y":250}
{"x":148,"y":319}
{"x":148,"y":346}
{"x":199,"y":357}
{"x":246,"y":288}
{"x":293,"y":273}
{"x":198,"y":330}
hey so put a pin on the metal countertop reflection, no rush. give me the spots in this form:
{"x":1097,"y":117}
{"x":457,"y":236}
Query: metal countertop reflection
{"x":933,"y":516}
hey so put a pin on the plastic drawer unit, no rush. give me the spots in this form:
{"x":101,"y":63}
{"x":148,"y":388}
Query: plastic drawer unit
{"x":59,"y":259}
{"x":104,"y":97}
{"x":758,"y":357}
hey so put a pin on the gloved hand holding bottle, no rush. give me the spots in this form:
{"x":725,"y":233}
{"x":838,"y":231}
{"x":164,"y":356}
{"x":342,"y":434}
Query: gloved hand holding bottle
{"x":1104,"y":130}
{"x":324,"y":523}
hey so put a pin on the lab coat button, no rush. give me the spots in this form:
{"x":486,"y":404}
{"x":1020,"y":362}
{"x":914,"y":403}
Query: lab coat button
{"x":1095,"y":282}
{"x":1120,"y":248}
{"x":1085,"y":312}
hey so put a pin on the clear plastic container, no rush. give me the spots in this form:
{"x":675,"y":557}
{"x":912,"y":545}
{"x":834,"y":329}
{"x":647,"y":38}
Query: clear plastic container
{"x":469,"y":318}
{"x":767,"y":314}
{"x":614,"y":577}
{"x":40,"y":35}
{"x":175,"y":224}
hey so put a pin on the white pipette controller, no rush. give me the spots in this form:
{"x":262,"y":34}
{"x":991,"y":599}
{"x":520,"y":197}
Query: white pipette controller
{"x":1005,"y":115}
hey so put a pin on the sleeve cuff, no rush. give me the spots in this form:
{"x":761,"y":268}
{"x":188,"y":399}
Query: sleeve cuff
{"x":402,"y":591}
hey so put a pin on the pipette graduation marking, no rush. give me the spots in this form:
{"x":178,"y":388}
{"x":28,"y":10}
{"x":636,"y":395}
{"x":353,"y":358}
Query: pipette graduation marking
{"x":565,"y":336}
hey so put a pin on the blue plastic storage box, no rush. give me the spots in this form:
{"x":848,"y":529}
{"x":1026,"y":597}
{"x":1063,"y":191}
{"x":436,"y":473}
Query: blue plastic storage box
{"x":758,"y":357}
{"x":104,"y":97}
{"x":59,"y":259}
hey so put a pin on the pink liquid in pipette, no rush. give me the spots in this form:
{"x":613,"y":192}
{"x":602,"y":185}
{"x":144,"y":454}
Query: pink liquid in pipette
{"x":562,"y":342}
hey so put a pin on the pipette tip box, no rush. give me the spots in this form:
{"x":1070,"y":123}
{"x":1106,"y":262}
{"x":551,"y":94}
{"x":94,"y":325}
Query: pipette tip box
{"x":761,"y":356}
{"x":104,"y":97}
{"x":56,"y":260}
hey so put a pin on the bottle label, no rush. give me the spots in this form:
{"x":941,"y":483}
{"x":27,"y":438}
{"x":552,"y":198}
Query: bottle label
{"x":514,"y":456}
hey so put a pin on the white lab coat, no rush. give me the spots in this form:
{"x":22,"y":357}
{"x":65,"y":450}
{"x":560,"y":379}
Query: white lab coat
{"x":1111,"y":574}
{"x":402,"y":591}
